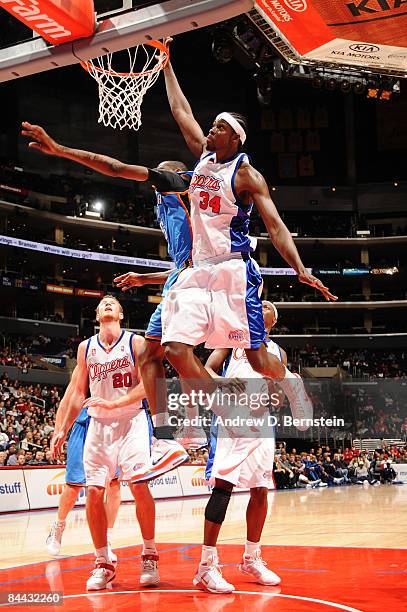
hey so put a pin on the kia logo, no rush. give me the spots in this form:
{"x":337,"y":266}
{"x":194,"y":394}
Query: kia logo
{"x":364,"y":48}
{"x":296,"y":5}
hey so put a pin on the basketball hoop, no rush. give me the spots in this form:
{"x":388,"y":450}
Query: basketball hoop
{"x":121,"y":93}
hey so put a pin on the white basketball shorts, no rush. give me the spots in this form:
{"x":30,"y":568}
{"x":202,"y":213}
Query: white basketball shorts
{"x":217,"y":302}
{"x":116,"y":443}
{"x":255,"y":468}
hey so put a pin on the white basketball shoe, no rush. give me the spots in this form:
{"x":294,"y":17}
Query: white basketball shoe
{"x":165,"y":456}
{"x":149,"y":570}
{"x":209,"y":578}
{"x":256,"y":567}
{"x":54,"y":539}
{"x":102,"y":576}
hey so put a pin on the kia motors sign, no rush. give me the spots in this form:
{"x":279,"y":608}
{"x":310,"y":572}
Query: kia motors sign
{"x":363,"y":33}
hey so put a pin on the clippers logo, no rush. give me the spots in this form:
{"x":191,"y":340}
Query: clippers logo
{"x":238,"y":335}
{"x":101,"y":370}
{"x":209,"y":182}
{"x":296,"y":5}
{"x":364,"y":48}
{"x":370,"y":7}
{"x":239,"y":353}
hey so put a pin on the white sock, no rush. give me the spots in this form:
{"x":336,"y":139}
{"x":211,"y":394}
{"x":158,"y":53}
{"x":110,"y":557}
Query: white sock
{"x":251,"y":548}
{"x":208,"y":551}
{"x":60,"y":523}
{"x":149,"y":547}
{"x":103,"y":552}
{"x":109,"y":535}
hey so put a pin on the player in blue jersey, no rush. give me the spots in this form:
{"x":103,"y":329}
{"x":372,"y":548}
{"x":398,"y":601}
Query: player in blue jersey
{"x":171,"y":181}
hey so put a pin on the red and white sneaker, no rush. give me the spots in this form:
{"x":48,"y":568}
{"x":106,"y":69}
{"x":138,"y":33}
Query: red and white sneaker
{"x":149,"y":570}
{"x":256,"y":567}
{"x":102,"y":576}
{"x":165,"y":456}
{"x":209,"y":578}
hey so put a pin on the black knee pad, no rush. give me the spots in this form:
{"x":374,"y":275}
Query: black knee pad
{"x":217,"y":505}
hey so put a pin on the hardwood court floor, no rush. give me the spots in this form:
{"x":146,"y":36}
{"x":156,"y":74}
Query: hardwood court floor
{"x":335,"y":549}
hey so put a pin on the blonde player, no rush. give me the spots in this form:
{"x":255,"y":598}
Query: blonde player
{"x":118,"y":435}
{"x":75,"y":474}
{"x":253,"y":471}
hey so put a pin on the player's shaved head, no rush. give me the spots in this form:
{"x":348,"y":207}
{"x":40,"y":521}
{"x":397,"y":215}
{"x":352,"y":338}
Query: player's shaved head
{"x":172,"y":166}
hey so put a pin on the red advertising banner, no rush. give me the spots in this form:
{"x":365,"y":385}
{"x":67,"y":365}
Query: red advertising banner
{"x":365,"y":33}
{"x":89,"y":293}
{"x":59,"y":289}
{"x":57,"y":21}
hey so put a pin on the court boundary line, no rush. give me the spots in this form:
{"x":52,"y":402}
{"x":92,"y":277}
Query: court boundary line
{"x":323,"y":602}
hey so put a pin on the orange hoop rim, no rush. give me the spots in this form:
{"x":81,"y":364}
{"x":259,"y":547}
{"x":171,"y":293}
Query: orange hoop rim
{"x":88,"y":65}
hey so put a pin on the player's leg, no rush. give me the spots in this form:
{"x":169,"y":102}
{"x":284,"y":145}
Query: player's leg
{"x":100,"y":462}
{"x":166,"y":453}
{"x":66,"y":503}
{"x":112,"y":505}
{"x":208,"y":576}
{"x":74,"y":479}
{"x":256,"y":474}
{"x":134,"y":454}
{"x":145,"y":512}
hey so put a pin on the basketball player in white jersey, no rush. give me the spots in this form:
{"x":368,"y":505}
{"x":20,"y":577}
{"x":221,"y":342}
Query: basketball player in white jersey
{"x":75,"y":474}
{"x":217,"y":301}
{"x":254,"y":471}
{"x":118,"y":435}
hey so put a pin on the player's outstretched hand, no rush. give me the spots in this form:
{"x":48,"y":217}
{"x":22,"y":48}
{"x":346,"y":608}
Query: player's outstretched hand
{"x":313,"y":281}
{"x":98,"y":402}
{"x":40,"y":139}
{"x":57,"y":443}
{"x":128,"y":280}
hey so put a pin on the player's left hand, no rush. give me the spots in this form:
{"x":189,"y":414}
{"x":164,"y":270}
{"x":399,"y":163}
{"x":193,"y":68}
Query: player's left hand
{"x":128,"y":280}
{"x":57,"y":443}
{"x":98,"y":402}
{"x":313,"y":281}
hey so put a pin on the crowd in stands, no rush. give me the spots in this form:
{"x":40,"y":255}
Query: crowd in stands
{"x":124,"y":206}
{"x":27,"y":416}
{"x":323,"y":466}
{"x":359,"y":363}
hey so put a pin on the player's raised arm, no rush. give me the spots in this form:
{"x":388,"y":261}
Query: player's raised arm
{"x":182,"y":112}
{"x":40,"y":140}
{"x":136,"y":395}
{"x":249,"y":180}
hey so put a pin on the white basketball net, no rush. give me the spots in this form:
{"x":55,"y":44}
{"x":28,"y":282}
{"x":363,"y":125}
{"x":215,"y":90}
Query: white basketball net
{"x":121,"y":94}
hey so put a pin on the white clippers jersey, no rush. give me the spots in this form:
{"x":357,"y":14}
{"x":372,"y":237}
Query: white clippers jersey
{"x":112,"y":374}
{"x":220,"y":223}
{"x":238,"y":366}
